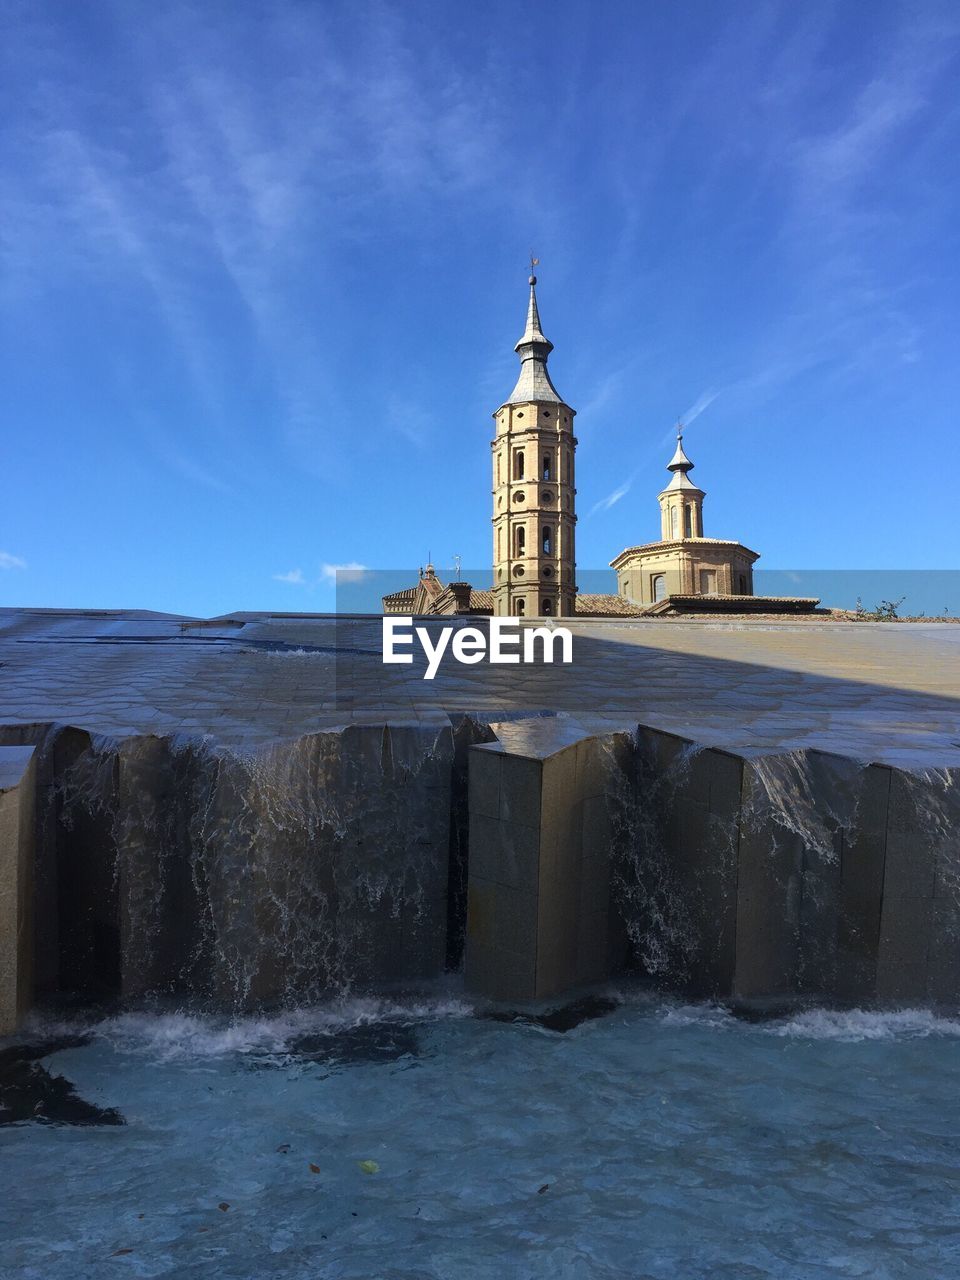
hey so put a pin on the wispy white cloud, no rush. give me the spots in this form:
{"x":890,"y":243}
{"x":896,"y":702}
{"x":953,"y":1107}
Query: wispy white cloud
{"x":340,"y":573}
{"x":10,"y":561}
{"x":221,"y":177}
{"x":193,"y":471}
{"x":329,"y":575}
{"x":613,"y":498}
{"x":700,"y":405}
{"x":702,"y":402}
{"x":411,"y":421}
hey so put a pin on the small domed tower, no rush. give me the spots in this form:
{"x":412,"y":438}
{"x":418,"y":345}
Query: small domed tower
{"x":684,"y":563}
{"x":534,"y":562}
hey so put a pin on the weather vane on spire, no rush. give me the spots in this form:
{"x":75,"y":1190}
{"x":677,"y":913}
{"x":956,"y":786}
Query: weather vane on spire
{"x":534,"y":262}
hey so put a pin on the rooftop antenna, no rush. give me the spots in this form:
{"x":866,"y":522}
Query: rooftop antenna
{"x":456,"y":565}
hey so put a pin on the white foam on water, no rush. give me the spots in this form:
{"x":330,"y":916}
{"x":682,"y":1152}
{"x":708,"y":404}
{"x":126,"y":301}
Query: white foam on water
{"x":711,"y":1016}
{"x":847,"y":1025}
{"x":168,"y":1037}
{"x":864,"y":1024}
{"x":182,"y":1036}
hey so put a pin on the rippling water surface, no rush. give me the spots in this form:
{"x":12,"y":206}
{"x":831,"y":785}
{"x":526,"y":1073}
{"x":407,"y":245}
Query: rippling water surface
{"x":377,"y":1140}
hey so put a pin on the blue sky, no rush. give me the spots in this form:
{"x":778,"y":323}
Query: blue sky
{"x":263,"y":267}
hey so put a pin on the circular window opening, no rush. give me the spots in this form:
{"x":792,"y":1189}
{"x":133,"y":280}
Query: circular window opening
{"x":548,"y":572}
{"x":518,"y":571}
{"x":520,"y":496}
{"x":546,"y":496}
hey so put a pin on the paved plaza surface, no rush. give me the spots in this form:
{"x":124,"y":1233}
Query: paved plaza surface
{"x":886,"y":692}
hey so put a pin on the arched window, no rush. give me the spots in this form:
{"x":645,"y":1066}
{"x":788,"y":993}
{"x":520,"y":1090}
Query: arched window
{"x":743,"y":584}
{"x":518,"y":608}
{"x":518,"y":464}
{"x":547,"y":540}
{"x":547,"y":465}
{"x":659,"y":586}
{"x":498,"y":544}
{"x":547,"y":607}
{"x":673,"y":522}
{"x":520,"y":541}
{"x":498,"y":468}
{"x":688,"y":520}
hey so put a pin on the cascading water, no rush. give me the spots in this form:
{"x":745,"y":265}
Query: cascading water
{"x":675,"y":825}
{"x":796,"y":874}
{"x":269,"y":876}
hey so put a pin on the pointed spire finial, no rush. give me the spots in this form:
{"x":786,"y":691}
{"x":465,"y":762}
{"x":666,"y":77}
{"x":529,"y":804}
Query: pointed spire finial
{"x":679,"y":462}
{"x":533,"y":349}
{"x":533,"y":336}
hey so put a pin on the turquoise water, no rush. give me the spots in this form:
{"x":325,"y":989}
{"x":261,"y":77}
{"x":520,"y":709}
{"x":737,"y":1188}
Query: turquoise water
{"x":659,"y":1140}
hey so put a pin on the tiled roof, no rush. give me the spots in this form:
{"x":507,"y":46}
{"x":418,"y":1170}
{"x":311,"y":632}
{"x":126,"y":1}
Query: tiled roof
{"x":481,"y":599}
{"x":733,"y":604}
{"x":599,"y":605}
{"x":402,"y":597}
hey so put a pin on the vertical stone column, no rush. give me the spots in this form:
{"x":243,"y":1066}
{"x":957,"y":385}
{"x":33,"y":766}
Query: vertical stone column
{"x":678,"y":862}
{"x":17,"y":808}
{"x":918,"y":958}
{"x":538,"y":910}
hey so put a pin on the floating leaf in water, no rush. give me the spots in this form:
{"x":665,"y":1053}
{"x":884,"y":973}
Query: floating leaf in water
{"x":283,"y":1148}
{"x":119,"y":1252}
{"x":368,"y":1166}
{"x":223,"y":1206}
{"x":541,"y":1190}
{"x":314,"y":1168}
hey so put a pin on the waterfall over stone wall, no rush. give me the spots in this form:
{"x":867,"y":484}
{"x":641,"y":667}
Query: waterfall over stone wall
{"x":174,"y":867}
{"x":169,"y":866}
{"x":792,"y":875}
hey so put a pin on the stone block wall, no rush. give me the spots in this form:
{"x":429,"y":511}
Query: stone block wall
{"x":804,"y":875}
{"x":17,"y":807}
{"x":539,"y":903}
{"x":762,"y":880}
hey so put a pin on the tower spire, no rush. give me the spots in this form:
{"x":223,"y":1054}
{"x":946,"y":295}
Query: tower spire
{"x":533,"y":349}
{"x":681,"y":502}
{"x":679,"y":463}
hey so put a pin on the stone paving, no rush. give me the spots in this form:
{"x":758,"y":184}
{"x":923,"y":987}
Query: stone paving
{"x":882,"y":692}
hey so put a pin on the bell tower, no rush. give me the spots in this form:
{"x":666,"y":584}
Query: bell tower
{"x":534,"y":516}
